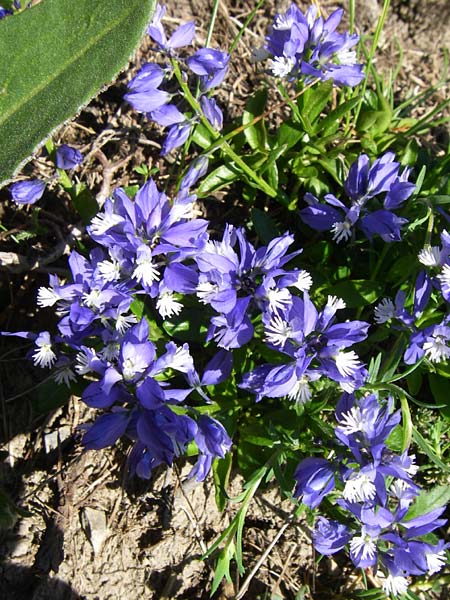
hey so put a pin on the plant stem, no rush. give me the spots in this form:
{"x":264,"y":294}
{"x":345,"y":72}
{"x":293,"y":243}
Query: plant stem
{"x":244,"y":26}
{"x":212,"y":23}
{"x":373,"y":48}
{"x":222,"y":143}
{"x":352,"y":15}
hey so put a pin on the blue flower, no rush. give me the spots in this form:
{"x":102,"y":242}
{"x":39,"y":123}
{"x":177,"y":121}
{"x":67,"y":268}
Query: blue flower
{"x":106,"y":430}
{"x":212,"y":112}
{"x":145,"y":95}
{"x":68,"y":157}
{"x":182,"y":36}
{"x":365,"y":424}
{"x":4,"y":12}
{"x":27,"y":192}
{"x":433,"y":342}
{"x":234,"y":284}
{"x":363,"y":183}
{"x":212,"y":441}
{"x":314,"y":480}
{"x":308,"y":46}
{"x":330,"y":536}
{"x":210,"y":65}
{"x":316,"y":346}
{"x":177,"y":135}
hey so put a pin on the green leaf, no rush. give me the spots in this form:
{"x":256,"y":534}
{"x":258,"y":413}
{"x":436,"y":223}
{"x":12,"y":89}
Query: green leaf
{"x":373,"y":121}
{"x":85,"y":204}
{"x":428,"y":501}
{"x":369,"y":595}
{"x":191,"y":329}
{"x":223,"y":566}
{"x":288,"y":135}
{"x":440,"y":388}
{"x":9,"y":512}
{"x":223,"y":175}
{"x":60,"y":54}
{"x":374,"y":367}
{"x":402,"y":269}
{"x":358,"y":292}
{"x":255,"y":134}
{"x":328,"y":124}
{"x":314,"y":100}
{"x":438,"y":200}
{"x":202,"y":137}
{"x":426,"y":449}
{"x":221,"y":472}
{"x":258,"y":435}
{"x":140,"y":309}
{"x":264,"y":225}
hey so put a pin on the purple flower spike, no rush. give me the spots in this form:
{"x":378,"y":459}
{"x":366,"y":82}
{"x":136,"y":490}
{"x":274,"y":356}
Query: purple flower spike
{"x":68,"y":157}
{"x":27,"y":192}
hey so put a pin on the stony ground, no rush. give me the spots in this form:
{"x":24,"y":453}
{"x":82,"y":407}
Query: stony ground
{"x":90,"y":534}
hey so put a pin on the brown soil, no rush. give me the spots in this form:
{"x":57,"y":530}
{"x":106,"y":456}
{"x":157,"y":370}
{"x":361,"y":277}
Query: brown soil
{"x":91,"y":535}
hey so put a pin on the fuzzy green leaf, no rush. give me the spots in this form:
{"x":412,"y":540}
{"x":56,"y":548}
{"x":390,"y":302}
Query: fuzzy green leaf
{"x":59,"y":53}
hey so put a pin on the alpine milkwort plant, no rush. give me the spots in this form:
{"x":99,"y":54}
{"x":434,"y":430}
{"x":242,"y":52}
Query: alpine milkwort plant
{"x":307,"y":46}
{"x":374,"y":489}
{"x":150,"y":90}
{"x":195,"y":338}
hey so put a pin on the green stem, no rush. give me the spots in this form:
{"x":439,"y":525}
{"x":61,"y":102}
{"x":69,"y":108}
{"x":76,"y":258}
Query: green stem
{"x":291,"y":104}
{"x":231,"y":134}
{"x":430,"y":227}
{"x":226,"y":148}
{"x":373,"y":48}
{"x":381,"y":257}
{"x":244,"y":26}
{"x":212,"y":23}
{"x":352,"y":15}
{"x":374,"y":274}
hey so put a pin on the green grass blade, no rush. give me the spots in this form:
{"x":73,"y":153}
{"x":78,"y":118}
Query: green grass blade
{"x":76,"y":48}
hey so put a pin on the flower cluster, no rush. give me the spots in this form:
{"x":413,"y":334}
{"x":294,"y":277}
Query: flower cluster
{"x":152,"y":248}
{"x":238,"y":284}
{"x":376,"y":495}
{"x":316,"y":346}
{"x":308,"y":46}
{"x":134,"y":385}
{"x":167,"y":107}
{"x":143,"y":247}
{"x":431,"y":341}
{"x":375,"y":191}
